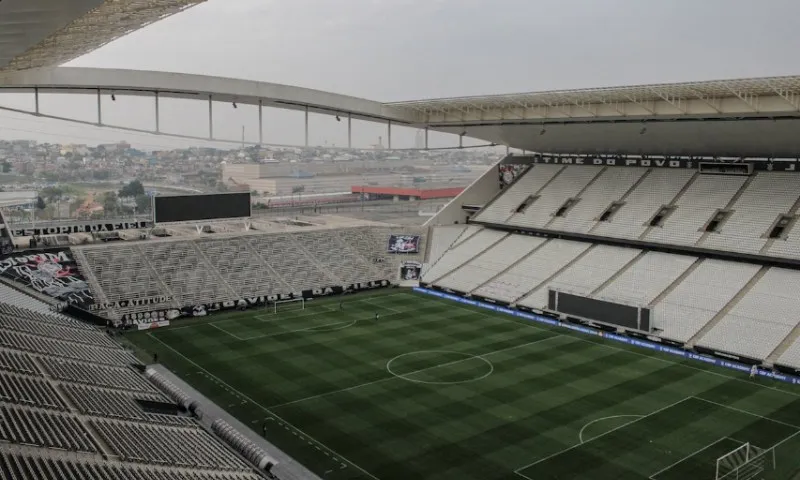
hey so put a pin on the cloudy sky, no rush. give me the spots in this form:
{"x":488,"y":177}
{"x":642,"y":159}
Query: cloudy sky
{"x":407,"y":49}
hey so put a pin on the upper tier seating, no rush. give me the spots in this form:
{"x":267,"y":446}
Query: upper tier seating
{"x":754,"y":212}
{"x":503,"y":206}
{"x":750,"y":205}
{"x":567,"y":184}
{"x":657,"y":189}
{"x":695,"y":208}
{"x":609,"y":187}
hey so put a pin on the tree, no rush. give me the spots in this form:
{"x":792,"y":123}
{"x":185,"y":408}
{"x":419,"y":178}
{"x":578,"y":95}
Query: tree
{"x":132,"y":189}
{"x":40,"y":205}
{"x":143,"y":203}
{"x":110,"y":203}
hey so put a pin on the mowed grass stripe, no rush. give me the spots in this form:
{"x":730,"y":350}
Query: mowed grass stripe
{"x":533,"y":404}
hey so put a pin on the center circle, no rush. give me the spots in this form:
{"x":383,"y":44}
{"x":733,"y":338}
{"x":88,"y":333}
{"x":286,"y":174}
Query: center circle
{"x":440,"y":359}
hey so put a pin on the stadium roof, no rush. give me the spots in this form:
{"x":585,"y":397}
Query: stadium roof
{"x":681,"y":96}
{"x":43,"y":33}
{"x":756,"y":117}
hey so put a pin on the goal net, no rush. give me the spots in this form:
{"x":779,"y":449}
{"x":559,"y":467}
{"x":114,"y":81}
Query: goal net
{"x":281,"y":306}
{"x":745,"y":462}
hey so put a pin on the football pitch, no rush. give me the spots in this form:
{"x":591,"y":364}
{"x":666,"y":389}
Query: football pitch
{"x":437,"y":390}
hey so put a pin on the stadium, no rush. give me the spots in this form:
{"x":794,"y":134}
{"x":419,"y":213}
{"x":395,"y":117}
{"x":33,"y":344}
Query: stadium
{"x":618,"y":301}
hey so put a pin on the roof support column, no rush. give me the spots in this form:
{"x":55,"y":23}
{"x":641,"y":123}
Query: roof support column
{"x":99,"y":108}
{"x":426,"y":138}
{"x":210,"y":118}
{"x":389,"y":134}
{"x":461,"y":141}
{"x":260,"y":121}
{"x":36,"y":99}
{"x":349,"y":130}
{"x":158,"y":115}
{"x":306,"y":128}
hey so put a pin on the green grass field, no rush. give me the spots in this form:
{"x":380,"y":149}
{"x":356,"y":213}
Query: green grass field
{"x":437,"y":390}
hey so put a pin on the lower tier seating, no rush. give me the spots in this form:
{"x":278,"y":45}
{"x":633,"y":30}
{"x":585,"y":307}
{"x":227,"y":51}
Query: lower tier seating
{"x":728,"y":306}
{"x":18,"y":466}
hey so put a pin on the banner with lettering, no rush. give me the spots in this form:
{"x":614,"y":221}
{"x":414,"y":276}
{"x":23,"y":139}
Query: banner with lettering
{"x":203,"y":309}
{"x":53,"y":273}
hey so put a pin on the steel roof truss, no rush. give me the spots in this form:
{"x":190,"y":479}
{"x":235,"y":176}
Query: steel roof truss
{"x":749,"y":99}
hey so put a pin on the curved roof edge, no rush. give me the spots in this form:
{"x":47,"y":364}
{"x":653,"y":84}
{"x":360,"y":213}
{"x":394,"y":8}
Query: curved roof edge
{"x":787,"y":87}
{"x":200,"y":87}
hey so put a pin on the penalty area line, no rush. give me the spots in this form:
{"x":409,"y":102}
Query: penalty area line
{"x":525,"y":467}
{"x":225,"y":331}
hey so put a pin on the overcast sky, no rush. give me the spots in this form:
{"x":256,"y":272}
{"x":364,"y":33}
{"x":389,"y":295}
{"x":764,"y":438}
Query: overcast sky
{"x":408,"y":49}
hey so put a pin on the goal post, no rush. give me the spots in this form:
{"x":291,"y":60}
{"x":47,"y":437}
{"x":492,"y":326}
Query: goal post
{"x":745,"y":462}
{"x":288,"y":305}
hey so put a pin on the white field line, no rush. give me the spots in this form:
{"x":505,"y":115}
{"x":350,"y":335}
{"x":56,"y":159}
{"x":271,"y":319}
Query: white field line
{"x":261,"y":406}
{"x":580,"y":434}
{"x":525,"y":467}
{"x":315,"y":327}
{"x":411,"y":373}
{"x":583,"y":338}
{"x":653,"y":476}
{"x":747,"y":412}
{"x":225,"y":331}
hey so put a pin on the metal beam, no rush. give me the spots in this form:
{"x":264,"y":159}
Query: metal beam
{"x":389,"y":133}
{"x":712,"y":102}
{"x":788,"y":96}
{"x":306,"y":126}
{"x":158,"y":114}
{"x":260,"y":121}
{"x":557,"y":108}
{"x":749,"y":99}
{"x":36,"y":99}
{"x":675,"y":102}
{"x":210,"y":118}
{"x":426,"y":138}
{"x":99,"y":108}
{"x":349,"y":131}
{"x":650,"y":110}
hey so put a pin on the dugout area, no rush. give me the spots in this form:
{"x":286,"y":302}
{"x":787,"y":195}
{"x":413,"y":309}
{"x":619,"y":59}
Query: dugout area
{"x":439,"y":390}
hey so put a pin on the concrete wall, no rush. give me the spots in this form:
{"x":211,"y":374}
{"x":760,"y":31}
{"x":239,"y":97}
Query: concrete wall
{"x":480,"y":192}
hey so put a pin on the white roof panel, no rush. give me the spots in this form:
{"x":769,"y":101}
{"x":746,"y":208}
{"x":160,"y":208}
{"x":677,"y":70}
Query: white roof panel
{"x":43,"y":33}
